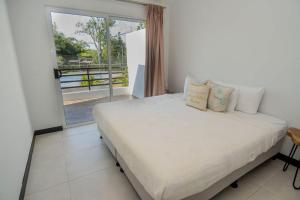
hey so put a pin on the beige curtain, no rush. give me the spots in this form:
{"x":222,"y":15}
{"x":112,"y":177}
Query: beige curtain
{"x":154,"y":69}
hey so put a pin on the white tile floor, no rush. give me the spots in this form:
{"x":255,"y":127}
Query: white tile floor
{"x":75,"y":165}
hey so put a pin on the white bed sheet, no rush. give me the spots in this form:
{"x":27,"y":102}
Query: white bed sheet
{"x":176,"y":151}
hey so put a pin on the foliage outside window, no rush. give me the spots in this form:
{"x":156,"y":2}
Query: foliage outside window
{"x":93,"y":82}
{"x":72,"y":53}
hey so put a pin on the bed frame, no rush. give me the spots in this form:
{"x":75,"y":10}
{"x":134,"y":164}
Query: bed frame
{"x":207,"y":193}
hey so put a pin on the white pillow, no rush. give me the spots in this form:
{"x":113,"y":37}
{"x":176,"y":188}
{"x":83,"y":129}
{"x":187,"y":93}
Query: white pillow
{"x":249,"y":99}
{"x":187,"y":82}
{"x":233,"y":100}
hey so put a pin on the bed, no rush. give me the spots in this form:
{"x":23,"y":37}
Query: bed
{"x":170,"y":151}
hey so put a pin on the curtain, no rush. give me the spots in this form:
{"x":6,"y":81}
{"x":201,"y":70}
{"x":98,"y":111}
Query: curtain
{"x":154,"y":65}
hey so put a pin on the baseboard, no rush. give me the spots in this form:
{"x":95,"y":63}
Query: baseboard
{"x":285,"y":158}
{"x":26,"y":173}
{"x":27,"y":169}
{"x":48,"y":130}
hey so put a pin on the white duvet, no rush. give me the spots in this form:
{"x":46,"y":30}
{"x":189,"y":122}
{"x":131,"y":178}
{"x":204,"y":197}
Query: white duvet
{"x":176,"y":151}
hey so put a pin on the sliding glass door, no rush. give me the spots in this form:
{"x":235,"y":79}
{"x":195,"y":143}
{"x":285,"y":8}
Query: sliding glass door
{"x":92,"y":60}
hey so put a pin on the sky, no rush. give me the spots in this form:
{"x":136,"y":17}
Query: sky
{"x":66,"y":23}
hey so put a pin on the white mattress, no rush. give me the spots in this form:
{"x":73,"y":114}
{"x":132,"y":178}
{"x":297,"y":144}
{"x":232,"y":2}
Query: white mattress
{"x":176,"y":151}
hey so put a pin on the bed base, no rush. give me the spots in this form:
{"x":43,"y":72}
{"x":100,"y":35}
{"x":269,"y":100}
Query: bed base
{"x":211,"y":191}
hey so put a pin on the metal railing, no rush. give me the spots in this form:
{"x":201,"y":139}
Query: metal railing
{"x":91,"y":76}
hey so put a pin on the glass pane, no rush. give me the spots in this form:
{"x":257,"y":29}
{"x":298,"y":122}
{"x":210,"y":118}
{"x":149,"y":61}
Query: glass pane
{"x":120,"y":30}
{"x":81,"y":54}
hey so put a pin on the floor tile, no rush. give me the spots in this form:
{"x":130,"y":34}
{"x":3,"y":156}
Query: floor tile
{"x":243,"y":192}
{"x":281,"y":184}
{"x":263,"y":173}
{"x":48,"y":146}
{"x":48,"y":139}
{"x":105,"y":184}
{"x":46,"y":174}
{"x":264,"y":194}
{"x":88,"y":161}
{"x":81,"y":142}
{"x":59,"y":192}
{"x":79,"y":130}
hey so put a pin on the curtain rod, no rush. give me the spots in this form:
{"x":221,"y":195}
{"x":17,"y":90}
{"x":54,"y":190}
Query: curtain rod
{"x":137,"y":2}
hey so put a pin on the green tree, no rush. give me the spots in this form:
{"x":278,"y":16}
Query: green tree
{"x":96,"y":29}
{"x":118,"y":49}
{"x":90,"y":53}
{"x":141,"y":25}
{"x":93,"y":82}
{"x":67,"y":46}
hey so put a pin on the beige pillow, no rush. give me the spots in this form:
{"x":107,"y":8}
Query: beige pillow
{"x":219,"y":97}
{"x":197,"y":96}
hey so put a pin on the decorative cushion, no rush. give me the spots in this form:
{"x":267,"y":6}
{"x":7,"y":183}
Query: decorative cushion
{"x":187,"y":82}
{"x":219,"y":96}
{"x":249,"y":99}
{"x":233,"y":100}
{"x":197,"y":96}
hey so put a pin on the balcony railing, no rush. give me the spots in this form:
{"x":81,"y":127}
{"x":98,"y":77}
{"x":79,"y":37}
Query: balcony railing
{"x":88,"y":76}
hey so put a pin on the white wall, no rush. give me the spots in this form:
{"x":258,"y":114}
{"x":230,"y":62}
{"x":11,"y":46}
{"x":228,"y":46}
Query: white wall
{"x":33,"y":46}
{"x":249,"y":42}
{"x":15,"y":129}
{"x":136,"y":52}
